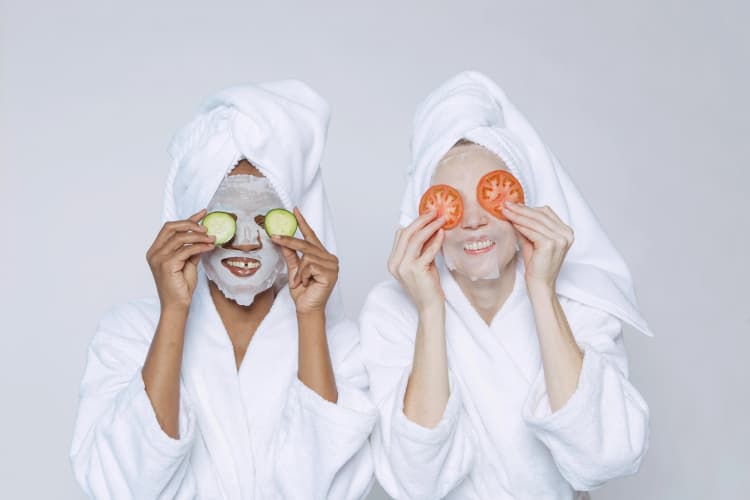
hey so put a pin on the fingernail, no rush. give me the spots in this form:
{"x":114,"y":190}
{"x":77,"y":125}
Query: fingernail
{"x":509,"y":203}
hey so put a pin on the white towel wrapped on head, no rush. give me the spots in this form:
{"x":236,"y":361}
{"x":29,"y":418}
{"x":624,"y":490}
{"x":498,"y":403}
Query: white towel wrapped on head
{"x":471,"y":106}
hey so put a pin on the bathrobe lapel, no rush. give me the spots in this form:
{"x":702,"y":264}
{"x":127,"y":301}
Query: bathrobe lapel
{"x":238,"y":410}
{"x":495,"y":366}
{"x":266,"y":376}
{"x":508,"y":346}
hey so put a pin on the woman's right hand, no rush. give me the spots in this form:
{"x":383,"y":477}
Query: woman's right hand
{"x":412,"y":260}
{"x":173,"y":258}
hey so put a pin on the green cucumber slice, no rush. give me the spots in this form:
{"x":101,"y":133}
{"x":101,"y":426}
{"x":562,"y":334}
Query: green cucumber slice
{"x":220,"y":224}
{"x":280,"y":221}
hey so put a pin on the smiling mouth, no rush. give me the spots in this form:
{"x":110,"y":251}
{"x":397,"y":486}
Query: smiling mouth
{"x":478,"y":247}
{"x":241,"y":266}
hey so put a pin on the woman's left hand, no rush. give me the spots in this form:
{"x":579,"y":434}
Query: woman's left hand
{"x":545,"y":240}
{"x":311,"y":276}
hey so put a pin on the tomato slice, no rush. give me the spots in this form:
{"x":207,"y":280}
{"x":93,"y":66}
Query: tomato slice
{"x":495,"y":188}
{"x":446,"y":200}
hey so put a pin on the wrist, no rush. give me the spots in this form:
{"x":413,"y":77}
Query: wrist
{"x":312,"y":314}
{"x":541,"y":288}
{"x":431,"y":309}
{"x":175,"y":310}
{"x":541,"y":294}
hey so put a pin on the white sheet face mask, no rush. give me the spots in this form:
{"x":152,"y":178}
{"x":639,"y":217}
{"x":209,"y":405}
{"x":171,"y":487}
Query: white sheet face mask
{"x":481,"y":245}
{"x":249,"y":263}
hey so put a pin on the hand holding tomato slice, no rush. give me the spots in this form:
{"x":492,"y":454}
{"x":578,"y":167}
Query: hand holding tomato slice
{"x":497,"y":187}
{"x":446,"y":201}
{"x":412,"y":260}
{"x":545,"y":240}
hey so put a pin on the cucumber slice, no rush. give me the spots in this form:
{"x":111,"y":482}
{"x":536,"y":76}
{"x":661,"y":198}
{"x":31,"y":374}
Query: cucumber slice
{"x":280,"y":221}
{"x":220,"y":224}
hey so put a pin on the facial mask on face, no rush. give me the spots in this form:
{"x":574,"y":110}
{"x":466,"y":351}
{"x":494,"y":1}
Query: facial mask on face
{"x":473,"y":267}
{"x":249,"y":263}
{"x":480,"y":254}
{"x":482,"y":243}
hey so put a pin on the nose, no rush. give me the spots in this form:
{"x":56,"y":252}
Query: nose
{"x":246,"y":239}
{"x":475,"y":216}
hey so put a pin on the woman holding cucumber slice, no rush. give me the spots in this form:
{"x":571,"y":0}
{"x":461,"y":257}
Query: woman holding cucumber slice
{"x":496,"y":357}
{"x":243,"y":380}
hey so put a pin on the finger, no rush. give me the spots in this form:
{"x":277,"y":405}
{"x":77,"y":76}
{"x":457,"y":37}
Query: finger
{"x":398,"y":253}
{"x":414,"y":247}
{"x":197,"y":216}
{"x":538,"y":214}
{"x":190,"y":250}
{"x":314,"y":272}
{"x":306,"y":230}
{"x":298,"y":245}
{"x":397,"y":238}
{"x":518,"y":219}
{"x":433,"y":247}
{"x":531,"y":235}
{"x":183,"y":238}
{"x":527,"y":247}
{"x":563,"y":228}
{"x":194,"y":259}
{"x":308,"y":263}
{"x":170,"y":228}
{"x":332,"y":264}
{"x":292,"y":262}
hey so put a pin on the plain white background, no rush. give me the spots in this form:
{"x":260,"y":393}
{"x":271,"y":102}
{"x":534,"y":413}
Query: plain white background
{"x":644,"y":103}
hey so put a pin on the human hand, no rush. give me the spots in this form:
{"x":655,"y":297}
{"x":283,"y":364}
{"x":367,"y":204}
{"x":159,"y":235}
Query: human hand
{"x":545,"y":240}
{"x":312,"y":275}
{"x":173,"y":258}
{"x":412,"y":260}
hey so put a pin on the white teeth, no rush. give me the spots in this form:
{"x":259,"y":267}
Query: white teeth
{"x":478,"y":245}
{"x":243,"y":264}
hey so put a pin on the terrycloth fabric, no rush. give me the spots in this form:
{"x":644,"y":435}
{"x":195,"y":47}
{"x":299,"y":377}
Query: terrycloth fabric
{"x":280,"y":127}
{"x":471,"y":106}
{"x":256,"y":433}
{"x":498,"y":437}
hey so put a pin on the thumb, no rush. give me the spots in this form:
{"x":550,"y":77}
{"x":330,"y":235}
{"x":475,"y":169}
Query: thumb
{"x":190,"y":271}
{"x":292,"y":262}
{"x":433,"y":247}
{"x":527,"y":247}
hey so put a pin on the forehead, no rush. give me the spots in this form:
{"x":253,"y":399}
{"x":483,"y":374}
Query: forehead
{"x":466,"y":164}
{"x":244,"y":193}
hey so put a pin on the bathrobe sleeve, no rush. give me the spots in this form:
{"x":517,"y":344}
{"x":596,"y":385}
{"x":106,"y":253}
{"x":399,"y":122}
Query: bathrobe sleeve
{"x":321,"y":449}
{"x":602,"y":431}
{"x":119,"y":450}
{"x":411,"y":461}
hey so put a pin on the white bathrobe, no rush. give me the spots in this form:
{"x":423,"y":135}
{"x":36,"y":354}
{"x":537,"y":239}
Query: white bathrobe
{"x":497,"y":438}
{"x":257,"y":433}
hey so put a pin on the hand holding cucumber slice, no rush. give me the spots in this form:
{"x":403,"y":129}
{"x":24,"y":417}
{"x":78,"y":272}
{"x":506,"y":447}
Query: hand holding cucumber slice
{"x":280,"y":221}
{"x":220,"y":224}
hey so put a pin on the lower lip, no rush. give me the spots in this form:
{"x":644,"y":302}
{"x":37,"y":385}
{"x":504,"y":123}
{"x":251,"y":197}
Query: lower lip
{"x":483,"y":250}
{"x":241,"y":272}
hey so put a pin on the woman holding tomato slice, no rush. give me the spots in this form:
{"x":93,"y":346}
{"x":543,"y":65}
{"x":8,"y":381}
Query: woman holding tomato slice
{"x":496,"y":356}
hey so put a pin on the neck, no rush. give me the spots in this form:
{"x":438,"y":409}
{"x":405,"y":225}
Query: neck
{"x":487,"y":296}
{"x":237,"y":318}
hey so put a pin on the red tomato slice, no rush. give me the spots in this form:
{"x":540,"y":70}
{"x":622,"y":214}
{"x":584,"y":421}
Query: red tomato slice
{"x":495,"y":188}
{"x":446,"y":200}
